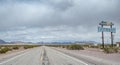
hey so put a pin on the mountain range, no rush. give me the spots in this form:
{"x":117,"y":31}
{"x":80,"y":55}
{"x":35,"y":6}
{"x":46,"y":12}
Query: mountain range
{"x":2,"y":41}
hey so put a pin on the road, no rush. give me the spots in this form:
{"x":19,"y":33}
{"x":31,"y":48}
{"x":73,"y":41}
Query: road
{"x":42,"y":56}
{"x":48,"y":56}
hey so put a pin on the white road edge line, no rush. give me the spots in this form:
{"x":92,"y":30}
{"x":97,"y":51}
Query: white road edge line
{"x":72,"y":57}
{"x":12,"y":58}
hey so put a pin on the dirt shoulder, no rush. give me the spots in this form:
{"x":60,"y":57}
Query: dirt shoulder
{"x":94,"y":54}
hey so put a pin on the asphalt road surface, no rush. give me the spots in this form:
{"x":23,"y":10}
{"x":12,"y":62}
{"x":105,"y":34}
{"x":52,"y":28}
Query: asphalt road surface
{"x":46,"y":56}
{"x":31,"y":57}
{"x":59,"y":58}
{"x":42,"y":56}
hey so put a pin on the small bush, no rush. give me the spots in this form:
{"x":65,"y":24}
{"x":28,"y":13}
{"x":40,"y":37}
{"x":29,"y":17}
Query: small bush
{"x":86,"y":46}
{"x":94,"y":46}
{"x":4,"y":50}
{"x":63,"y":46}
{"x":15,"y":47}
{"x":29,"y":46}
{"x":75,"y":47}
{"x":110,"y":50}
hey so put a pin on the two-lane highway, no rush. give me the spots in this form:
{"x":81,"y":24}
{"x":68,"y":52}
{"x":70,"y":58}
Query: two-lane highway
{"x":43,"y":56}
{"x":48,"y":56}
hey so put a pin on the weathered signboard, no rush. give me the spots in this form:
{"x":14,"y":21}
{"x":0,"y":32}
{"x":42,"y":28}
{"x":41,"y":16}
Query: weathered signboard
{"x":101,"y":29}
{"x":106,"y":23}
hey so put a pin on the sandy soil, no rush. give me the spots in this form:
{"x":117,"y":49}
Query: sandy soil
{"x":99,"y":53}
{"x":94,"y":52}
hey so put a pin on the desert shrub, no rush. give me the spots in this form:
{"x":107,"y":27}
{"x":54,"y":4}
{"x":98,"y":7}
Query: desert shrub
{"x":75,"y":47}
{"x":110,"y":50}
{"x":4,"y":50}
{"x":94,"y":46}
{"x":26,"y":47}
{"x":63,"y":46}
{"x":29,"y":46}
{"x":15,"y":47}
{"x":87,"y":46}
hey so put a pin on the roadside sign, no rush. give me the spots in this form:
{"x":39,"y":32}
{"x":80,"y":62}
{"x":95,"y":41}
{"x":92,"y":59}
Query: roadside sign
{"x":101,"y":29}
{"x":104,"y":23}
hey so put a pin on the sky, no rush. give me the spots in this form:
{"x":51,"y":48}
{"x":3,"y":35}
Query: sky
{"x":57,"y":20}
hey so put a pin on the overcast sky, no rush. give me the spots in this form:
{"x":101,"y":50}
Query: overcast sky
{"x":57,"y":20}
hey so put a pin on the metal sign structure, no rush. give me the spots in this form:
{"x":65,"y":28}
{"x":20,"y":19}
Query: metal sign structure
{"x":102,"y":29}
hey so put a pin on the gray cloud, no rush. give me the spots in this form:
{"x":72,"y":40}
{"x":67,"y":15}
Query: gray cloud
{"x":80,"y":16}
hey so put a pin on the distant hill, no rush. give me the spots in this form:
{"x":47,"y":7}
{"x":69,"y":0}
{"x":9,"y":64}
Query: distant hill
{"x":2,"y":41}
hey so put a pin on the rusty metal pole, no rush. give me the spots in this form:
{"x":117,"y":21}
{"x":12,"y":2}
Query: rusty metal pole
{"x":111,"y":37}
{"x":102,"y":37}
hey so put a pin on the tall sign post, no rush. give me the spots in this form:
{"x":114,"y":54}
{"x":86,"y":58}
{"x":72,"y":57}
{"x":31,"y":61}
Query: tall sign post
{"x":102,"y":34}
{"x":102,"y":37}
{"x":111,"y":37}
{"x":102,"y":29}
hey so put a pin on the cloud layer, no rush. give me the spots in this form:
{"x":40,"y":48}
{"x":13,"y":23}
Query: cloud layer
{"x":51,"y":20}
